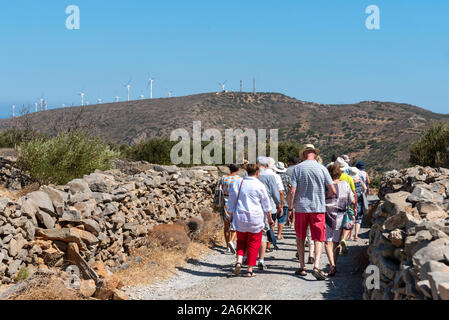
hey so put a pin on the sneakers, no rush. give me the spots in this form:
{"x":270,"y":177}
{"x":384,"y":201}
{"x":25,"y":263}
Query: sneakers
{"x":261,"y":266}
{"x":344,"y":247}
{"x":231,"y":247}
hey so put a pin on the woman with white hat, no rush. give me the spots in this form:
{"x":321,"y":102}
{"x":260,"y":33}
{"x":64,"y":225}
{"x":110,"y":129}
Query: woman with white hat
{"x":360,"y":188}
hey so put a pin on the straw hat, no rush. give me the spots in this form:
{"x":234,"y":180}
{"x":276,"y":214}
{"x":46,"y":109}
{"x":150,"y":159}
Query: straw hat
{"x":342,"y":164}
{"x":346,"y":158}
{"x":308,"y":147}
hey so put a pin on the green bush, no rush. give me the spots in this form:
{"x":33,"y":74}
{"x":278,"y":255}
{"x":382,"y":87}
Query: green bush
{"x":23,"y":274}
{"x":288,"y":149}
{"x":13,"y":137}
{"x":65,"y":157}
{"x":154,"y":150}
{"x":432,"y":148}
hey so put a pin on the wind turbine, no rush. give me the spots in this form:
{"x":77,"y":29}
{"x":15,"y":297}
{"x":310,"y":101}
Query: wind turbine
{"x":141,"y":97}
{"x":170,"y":93}
{"x":42,"y":100}
{"x":46,"y":106}
{"x":35,"y":106}
{"x":223,"y":85}
{"x":128,"y":86}
{"x":13,"y":109}
{"x":100,"y":101}
{"x":150,"y":84}
{"x":117,"y":98}
{"x":63,"y":105}
{"x":82,"y":94}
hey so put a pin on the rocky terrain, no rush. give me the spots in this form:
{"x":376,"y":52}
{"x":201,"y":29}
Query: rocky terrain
{"x":409,"y":237}
{"x":377,"y":132}
{"x":95,"y":222}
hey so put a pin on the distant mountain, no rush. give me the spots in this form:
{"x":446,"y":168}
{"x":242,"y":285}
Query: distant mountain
{"x":377,"y":132}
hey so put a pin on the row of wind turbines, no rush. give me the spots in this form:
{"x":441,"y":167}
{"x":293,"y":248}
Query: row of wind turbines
{"x":128,"y":86}
{"x":43,"y":106}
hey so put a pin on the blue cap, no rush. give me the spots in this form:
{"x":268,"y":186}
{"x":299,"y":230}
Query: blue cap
{"x":360,"y":165}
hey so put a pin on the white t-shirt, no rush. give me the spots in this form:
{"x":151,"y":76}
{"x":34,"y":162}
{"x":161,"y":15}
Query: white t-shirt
{"x":278,"y":179}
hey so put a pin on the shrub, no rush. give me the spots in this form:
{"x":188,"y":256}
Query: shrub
{"x":168,"y":236}
{"x":12,"y":137}
{"x":23,"y":274}
{"x":432,"y":148}
{"x":155,"y":150}
{"x":65,"y":157}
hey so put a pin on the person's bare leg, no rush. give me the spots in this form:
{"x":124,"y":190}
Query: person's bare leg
{"x":318,"y":252}
{"x":233,"y":237}
{"x":263,"y":248}
{"x":281,"y":227}
{"x":345,"y":234}
{"x":300,"y":246}
{"x":336,"y":251}
{"x":357,"y":229}
{"x":227,"y":233}
{"x":330,"y":252}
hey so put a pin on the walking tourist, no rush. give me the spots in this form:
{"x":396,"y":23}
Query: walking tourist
{"x":309,"y":184}
{"x":269,"y":181}
{"x":226,"y":184}
{"x":287,"y":183}
{"x":336,"y":207}
{"x":251,"y":207}
{"x":360,"y":189}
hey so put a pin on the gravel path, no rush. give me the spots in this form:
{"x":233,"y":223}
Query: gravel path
{"x":210,"y":278}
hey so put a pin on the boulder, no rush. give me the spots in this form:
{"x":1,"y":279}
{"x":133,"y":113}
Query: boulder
{"x":87,"y":288}
{"x":431,"y":211}
{"x":57,"y":197}
{"x":401,"y":220}
{"x":421,"y":194}
{"x":435,"y":279}
{"x":78,"y":185}
{"x":45,"y":219}
{"x":396,"y":202}
{"x":435,"y":250}
{"x":443,"y":288}
{"x":43,"y":201}
{"x":91,"y":226}
{"x":72,"y":215}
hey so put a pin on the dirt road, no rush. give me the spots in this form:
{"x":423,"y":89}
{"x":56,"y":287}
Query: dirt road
{"x":210,"y":278}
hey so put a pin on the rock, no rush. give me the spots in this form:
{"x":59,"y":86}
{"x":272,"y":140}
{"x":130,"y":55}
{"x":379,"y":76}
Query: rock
{"x":396,"y":202}
{"x":432,"y":266}
{"x":30,"y":208}
{"x":401,"y":220}
{"x":119,"y":295}
{"x":99,"y":182}
{"x":431,"y":211}
{"x":397,"y":238}
{"x":102,"y":197}
{"x":423,"y":235}
{"x":79,"y":197}
{"x":87,"y":288}
{"x":91,"y":226}
{"x":43,"y":201}
{"x":421,"y":194}
{"x":435,"y":279}
{"x":57,"y":197}
{"x":443,"y":288}
{"x":109,"y":209}
{"x":424,"y":287}
{"x":65,"y":235}
{"x":72,"y":215}
{"x":78,"y":185}
{"x":435,"y":250}
{"x":86,"y":236}
{"x":13,"y":268}
{"x":45,"y":219}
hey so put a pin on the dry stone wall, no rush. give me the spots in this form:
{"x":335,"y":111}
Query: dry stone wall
{"x":409,"y":237}
{"x":104,"y":215}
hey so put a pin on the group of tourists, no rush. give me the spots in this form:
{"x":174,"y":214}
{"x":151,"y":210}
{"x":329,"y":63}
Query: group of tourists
{"x":324,"y":203}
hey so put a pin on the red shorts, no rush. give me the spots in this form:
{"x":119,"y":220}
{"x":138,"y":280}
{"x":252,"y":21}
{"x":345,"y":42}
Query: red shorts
{"x":317,"y":223}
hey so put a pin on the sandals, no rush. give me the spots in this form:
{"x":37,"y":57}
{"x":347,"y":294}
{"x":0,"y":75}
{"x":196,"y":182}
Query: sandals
{"x":318,"y":274}
{"x":301,"y":272}
{"x":332,"y":272}
{"x":344,"y":247}
{"x":250,"y":275}
{"x":238,"y":267}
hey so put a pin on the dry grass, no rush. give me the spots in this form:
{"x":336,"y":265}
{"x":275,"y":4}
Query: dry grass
{"x":46,"y":288}
{"x":28,"y":189}
{"x":170,"y":248}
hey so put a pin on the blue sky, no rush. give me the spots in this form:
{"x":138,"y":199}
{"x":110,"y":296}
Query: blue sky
{"x":316,"y":50}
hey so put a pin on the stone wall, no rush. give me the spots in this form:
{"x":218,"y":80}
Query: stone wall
{"x":409,"y":237}
{"x":102,"y":216}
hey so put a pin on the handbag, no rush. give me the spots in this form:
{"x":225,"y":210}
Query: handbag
{"x":219,"y":198}
{"x":365,"y":202}
{"x":349,"y":219}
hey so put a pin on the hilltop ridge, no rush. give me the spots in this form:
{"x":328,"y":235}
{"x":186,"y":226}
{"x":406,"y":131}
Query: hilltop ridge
{"x":378,"y":132}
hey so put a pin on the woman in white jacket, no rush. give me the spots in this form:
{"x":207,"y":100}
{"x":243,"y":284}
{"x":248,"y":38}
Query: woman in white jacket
{"x":251,"y":208}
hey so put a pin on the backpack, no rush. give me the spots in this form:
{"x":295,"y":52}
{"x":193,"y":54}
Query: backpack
{"x":219,"y":198}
